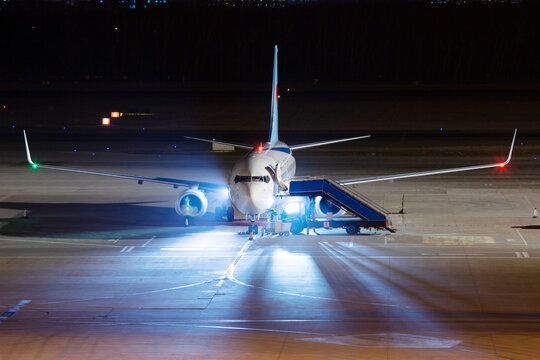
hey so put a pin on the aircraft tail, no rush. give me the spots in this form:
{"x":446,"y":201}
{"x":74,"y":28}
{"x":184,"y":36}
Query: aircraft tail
{"x":274,"y":111}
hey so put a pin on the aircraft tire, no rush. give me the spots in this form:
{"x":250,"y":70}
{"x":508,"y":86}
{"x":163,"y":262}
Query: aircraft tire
{"x":352,"y":229}
{"x":297,"y":227}
{"x":230,"y":214}
{"x":219,"y":214}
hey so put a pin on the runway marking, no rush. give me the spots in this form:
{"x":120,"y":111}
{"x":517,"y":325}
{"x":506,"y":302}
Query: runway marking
{"x":459,"y":254}
{"x":11,"y":311}
{"x":252,"y":329}
{"x":127,"y":249}
{"x":522,"y":238}
{"x":388,"y":340}
{"x":228,"y":274}
{"x":148,"y":242}
{"x":522,"y":254}
{"x":188,"y":249}
{"x":3,"y":238}
{"x":125,"y":295}
{"x":235,"y":280}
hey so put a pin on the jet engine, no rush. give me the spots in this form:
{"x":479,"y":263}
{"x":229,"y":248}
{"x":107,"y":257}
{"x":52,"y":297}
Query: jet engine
{"x":324,"y":206}
{"x":191,"y":202}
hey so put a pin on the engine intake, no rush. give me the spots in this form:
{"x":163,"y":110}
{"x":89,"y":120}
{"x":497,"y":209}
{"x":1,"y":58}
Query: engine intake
{"x":192,"y":203}
{"x":324,"y":206}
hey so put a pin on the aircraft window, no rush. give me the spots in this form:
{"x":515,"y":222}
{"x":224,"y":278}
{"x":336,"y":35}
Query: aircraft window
{"x":238,"y":179}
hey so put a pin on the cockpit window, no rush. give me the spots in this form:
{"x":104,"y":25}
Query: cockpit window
{"x":239,"y":178}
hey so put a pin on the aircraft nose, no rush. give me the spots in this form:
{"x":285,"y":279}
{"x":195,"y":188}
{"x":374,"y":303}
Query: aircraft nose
{"x":260,"y":199}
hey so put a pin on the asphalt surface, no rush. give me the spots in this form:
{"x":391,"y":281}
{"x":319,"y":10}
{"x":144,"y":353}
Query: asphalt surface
{"x":103,"y":268}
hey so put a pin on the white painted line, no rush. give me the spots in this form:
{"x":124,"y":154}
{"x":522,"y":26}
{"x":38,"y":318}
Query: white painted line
{"x":129,"y":249}
{"x":459,"y":254}
{"x":525,"y":254}
{"x":148,"y":242}
{"x":5,"y":238}
{"x":188,"y":248}
{"x":228,"y":273}
{"x":11,"y":311}
{"x":510,"y":240}
{"x":518,"y":254}
{"x":220,"y":282}
{"x":522,"y":238}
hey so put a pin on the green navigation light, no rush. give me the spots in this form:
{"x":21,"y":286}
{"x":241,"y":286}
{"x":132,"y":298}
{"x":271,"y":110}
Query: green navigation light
{"x":35,"y":166}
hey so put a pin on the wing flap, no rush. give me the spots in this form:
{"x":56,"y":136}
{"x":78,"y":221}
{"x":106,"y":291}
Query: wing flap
{"x":158,"y":180}
{"x":241,"y":146}
{"x":327,"y":142}
{"x":432,"y":172}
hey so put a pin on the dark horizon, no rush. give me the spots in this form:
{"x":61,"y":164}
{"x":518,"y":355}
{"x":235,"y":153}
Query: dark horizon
{"x":368,"y":42}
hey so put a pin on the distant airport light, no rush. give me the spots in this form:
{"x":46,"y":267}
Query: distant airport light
{"x":106,"y":121}
{"x":260,"y":148}
{"x":115,"y":114}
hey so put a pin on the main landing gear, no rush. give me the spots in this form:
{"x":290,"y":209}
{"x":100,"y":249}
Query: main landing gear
{"x":227,"y":212}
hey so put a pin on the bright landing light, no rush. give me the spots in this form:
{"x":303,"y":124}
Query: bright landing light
{"x":292,"y":208}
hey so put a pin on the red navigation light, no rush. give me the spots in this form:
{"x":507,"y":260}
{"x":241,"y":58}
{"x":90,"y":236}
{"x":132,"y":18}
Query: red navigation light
{"x":260,"y":148}
{"x":501,"y":165}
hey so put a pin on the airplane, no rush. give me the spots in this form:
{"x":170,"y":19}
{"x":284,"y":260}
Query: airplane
{"x":260,"y":177}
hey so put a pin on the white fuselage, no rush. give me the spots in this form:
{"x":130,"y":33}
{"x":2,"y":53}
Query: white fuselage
{"x":252,"y":183}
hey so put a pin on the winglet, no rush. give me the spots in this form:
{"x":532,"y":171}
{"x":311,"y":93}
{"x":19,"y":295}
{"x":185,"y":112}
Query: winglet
{"x":511,"y":148}
{"x":28,"y":157}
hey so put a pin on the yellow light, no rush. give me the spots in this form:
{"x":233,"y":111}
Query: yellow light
{"x":105,"y":121}
{"x":115,"y":114}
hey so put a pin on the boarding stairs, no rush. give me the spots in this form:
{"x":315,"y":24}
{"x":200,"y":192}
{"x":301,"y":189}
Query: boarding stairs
{"x":357,"y":204}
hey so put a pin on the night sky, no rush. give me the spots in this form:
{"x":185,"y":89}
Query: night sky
{"x":366,"y":42}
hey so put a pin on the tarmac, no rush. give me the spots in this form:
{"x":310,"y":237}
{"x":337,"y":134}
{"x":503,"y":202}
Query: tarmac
{"x":102,"y":268}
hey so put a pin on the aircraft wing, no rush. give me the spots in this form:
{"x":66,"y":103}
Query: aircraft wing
{"x":242,"y":146}
{"x":327,"y":142}
{"x":431,"y":172}
{"x":140,"y":179}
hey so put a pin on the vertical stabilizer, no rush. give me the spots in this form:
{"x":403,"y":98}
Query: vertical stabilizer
{"x":274,"y":111}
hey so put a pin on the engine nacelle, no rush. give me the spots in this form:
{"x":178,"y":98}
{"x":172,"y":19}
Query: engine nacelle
{"x":324,"y":206}
{"x":192,"y":203}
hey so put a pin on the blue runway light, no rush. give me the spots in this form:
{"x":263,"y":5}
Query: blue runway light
{"x":441,"y":129}
{"x":64,"y":128}
{"x":13,"y":126}
{"x":174,"y":146}
{"x":74,"y":150}
{"x":93,"y":154}
{"x":108,"y":148}
{"x":521,"y":143}
{"x":143,"y":129}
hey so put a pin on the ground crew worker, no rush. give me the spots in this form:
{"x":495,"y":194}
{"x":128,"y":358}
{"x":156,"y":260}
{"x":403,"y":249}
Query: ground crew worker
{"x":535,"y":213}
